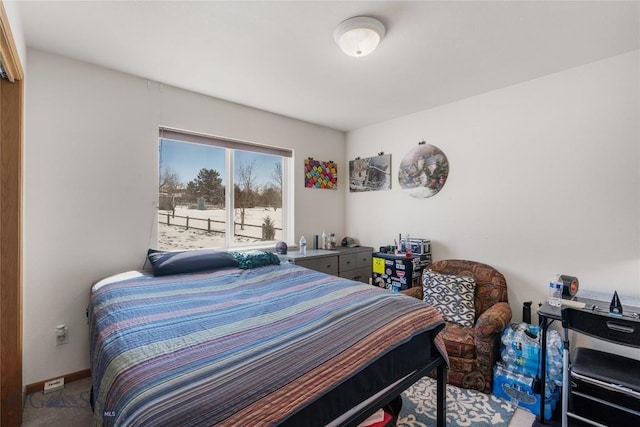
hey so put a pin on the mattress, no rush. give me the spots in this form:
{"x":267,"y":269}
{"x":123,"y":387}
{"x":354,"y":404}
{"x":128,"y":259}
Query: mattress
{"x":276,"y":345}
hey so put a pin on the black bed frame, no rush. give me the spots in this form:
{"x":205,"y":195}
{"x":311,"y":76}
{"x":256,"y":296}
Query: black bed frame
{"x":360,"y":413}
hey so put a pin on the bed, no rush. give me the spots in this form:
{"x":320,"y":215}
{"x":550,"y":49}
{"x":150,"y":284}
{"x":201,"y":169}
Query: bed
{"x":271,"y":345}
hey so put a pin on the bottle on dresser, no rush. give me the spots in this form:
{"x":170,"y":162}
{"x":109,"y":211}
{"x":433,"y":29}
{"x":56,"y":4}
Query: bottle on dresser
{"x":303,"y":246}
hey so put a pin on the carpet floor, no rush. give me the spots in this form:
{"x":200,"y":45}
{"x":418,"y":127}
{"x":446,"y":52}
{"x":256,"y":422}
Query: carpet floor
{"x":70,"y":407}
{"x":464,"y":408}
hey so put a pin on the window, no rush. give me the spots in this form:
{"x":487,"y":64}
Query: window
{"x":220,"y":193}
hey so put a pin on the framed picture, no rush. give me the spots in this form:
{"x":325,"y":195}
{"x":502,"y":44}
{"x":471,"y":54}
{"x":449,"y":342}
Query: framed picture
{"x":370,"y":174}
{"x":423,"y":171}
{"x":318,"y":174}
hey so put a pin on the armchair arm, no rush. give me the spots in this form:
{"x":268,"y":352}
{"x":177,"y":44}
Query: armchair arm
{"x":493,"y":320}
{"x":415,"y":292}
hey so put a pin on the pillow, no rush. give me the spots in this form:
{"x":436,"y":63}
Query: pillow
{"x":255,"y":259}
{"x":178,"y":262}
{"x":452,"y":296}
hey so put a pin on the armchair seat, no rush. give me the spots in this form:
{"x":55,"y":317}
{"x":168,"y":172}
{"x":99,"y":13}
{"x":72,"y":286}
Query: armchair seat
{"x":474,"y":350}
{"x":460,"y":341}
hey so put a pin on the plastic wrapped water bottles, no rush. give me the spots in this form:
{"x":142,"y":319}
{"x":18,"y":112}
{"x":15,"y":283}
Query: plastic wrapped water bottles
{"x":531,"y":367}
{"x":521,"y":351}
{"x":515,"y":376}
{"x":527,"y":380}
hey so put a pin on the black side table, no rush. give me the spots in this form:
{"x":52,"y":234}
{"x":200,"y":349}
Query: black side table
{"x":546,"y":315}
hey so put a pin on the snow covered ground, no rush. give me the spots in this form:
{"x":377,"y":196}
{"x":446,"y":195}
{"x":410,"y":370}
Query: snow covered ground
{"x":177,"y":236}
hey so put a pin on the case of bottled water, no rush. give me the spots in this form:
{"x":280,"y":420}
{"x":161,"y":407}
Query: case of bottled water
{"x":515,"y":374}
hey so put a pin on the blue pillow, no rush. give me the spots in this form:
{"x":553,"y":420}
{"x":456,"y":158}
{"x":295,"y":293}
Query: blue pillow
{"x":255,"y":259}
{"x":180,"y":262}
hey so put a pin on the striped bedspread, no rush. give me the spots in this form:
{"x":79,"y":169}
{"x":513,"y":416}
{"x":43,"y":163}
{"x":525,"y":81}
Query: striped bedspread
{"x":236,"y":347}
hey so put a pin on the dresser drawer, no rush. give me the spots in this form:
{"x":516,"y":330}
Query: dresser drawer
{"x":327,"y":264}
{"x":364,"y":260}
{"x":349,"y":261}
{"x":359,"y":274}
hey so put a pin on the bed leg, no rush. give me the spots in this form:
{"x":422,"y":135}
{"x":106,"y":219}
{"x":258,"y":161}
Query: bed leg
{"x":441,"y":395}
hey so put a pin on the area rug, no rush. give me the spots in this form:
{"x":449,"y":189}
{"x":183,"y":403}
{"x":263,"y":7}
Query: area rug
{"x":464,"y":407}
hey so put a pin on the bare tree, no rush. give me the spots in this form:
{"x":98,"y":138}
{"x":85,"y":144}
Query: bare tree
{"x":276,"y":174}
{"x":169,"y":189}
{"x":245,"y":189}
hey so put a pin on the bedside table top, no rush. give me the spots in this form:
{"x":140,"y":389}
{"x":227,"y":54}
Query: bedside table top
{"x":311,"y":253}
{"x":321,"y":253}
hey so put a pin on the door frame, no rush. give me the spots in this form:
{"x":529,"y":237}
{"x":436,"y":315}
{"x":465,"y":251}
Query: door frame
{"x":11,"y":187}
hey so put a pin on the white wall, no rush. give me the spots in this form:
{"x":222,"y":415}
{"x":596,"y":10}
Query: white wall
{"x":544,"y":178}
{"x":91,"y":182}
{"x":13,"y":15}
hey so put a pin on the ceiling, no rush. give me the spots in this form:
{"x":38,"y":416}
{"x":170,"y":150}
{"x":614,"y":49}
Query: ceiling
{"x":281,"y":56}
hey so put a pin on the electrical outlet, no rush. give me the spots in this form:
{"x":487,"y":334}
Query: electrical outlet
{"x":54,"y":385}
{"x":62,"y":335}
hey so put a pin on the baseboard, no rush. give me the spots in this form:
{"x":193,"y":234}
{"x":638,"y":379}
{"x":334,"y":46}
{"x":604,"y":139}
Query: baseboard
{"x":68,"y":378}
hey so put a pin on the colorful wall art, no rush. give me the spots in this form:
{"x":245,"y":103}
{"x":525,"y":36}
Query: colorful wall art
{"x":370,"y":174}
{"x":423,"y":171}
{"x":318,"y":174}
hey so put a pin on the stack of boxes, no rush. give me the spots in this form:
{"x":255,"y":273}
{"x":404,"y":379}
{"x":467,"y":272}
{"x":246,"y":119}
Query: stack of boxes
{"x":514,"y":376}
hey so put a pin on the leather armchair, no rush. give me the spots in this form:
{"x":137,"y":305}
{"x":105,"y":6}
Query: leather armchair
{"x":473,"y":351}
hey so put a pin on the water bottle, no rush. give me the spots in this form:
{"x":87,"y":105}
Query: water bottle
{"x":303,"y":246}
{"x":555,"y":291}
{"x":324,"y":240}
{"x":554,"y":341}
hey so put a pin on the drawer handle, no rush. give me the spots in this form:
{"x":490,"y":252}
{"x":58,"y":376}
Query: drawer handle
{"x":620,"y":328}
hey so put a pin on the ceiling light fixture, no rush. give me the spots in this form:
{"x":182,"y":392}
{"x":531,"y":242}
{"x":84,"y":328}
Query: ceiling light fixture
{"x":359,"y":36}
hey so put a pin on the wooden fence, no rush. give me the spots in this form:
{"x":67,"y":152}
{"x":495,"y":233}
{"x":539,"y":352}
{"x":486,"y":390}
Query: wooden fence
{"x":190,"y":221}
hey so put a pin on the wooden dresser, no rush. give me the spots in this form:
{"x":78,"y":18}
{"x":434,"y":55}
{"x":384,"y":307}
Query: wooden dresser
{"x":350,"y":263}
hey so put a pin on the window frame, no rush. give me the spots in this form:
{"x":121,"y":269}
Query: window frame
{"x":230,"y":144}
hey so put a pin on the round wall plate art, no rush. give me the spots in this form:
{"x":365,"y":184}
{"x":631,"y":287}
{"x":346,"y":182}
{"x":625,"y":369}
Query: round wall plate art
{"x":423,"y":171}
